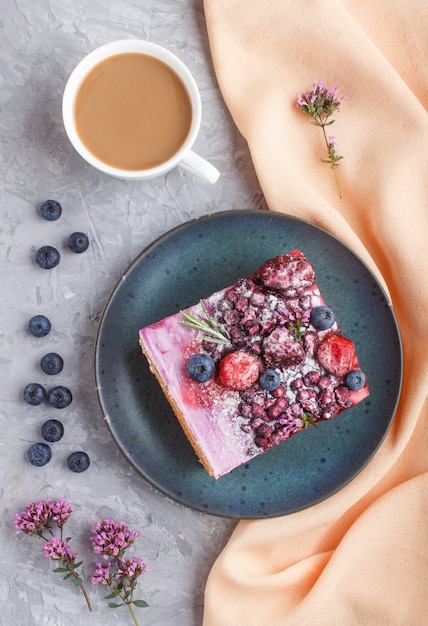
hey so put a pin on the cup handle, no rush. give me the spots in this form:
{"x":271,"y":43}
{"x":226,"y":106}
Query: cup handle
{"x":198,"y":166}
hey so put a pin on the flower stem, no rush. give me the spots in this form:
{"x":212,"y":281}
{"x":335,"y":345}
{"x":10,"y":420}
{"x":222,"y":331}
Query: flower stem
{"x":333,"y":165}
{"x":322,"y":124}
{"x":88,"y":602}
{"x":337,"y":182}
{"x":131,"y":610}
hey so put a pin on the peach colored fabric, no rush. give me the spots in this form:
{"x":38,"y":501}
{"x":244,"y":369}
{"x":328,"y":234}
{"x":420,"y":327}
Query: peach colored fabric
{"x":361,"y":556}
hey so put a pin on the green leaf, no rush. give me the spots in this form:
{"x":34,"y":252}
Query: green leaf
{"x":110,"y":596}
{"x":78,"y":582}
{"x":297,"y":329}
{"x":213,"y":333}
{"x":141,"y":603}
{"x":67,"y":576}
{"x":113,"y":605}
{"x":60,"y":570}
{"x":308,"y":420}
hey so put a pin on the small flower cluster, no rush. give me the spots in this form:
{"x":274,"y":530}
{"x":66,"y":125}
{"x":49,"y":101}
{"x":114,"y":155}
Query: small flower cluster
{"x":320,"y":103}
{"x":39,"y":519}
{"x":110,"y":540}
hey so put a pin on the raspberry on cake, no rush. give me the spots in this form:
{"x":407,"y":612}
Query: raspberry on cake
{"x":255,"y":363}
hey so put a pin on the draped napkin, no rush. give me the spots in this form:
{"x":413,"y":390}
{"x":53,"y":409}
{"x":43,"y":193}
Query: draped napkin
{"x":361,"y":555}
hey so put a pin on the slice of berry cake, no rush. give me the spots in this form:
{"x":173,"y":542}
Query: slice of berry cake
{"x":255,"y":363}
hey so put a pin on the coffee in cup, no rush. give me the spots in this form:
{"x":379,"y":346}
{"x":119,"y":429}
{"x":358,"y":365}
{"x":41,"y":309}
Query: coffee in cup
{"x":132,"y":109}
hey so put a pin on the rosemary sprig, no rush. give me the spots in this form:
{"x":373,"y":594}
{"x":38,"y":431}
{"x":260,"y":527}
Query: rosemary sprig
{"x":212,"y":332}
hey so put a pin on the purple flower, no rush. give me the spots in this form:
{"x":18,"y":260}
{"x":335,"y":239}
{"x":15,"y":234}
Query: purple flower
{"x":58,"y":550}
{"x":38,"y":519}
{"x":320,"y":103}
{"x":131,"y":568}
{"x":110,"y":538}
{"x":102,"y":574}
{"x":38,"y":516}
{"x":61,"y":511}
{"x":34,"y":518}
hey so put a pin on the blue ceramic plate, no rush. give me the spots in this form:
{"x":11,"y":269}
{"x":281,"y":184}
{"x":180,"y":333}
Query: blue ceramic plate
{"x":189,"y":263}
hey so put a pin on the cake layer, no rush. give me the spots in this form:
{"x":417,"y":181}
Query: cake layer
{"x":254,"y":364}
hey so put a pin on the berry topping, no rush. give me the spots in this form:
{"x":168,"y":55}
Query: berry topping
{"x":50,"y":210}
{"x":336,"y":354}
{"x":289,"y":274}
{"x":342,"y":395}
{"x":39,"y":454}
{"x":39,"y":326}
{"x":310,"y":343}
{"x":34,"y":394}
{"x":355,"y":380}
{"x":282,"y":349}
{"x":239,"y":370}
{"x":78,"y":462}
{"x":52,"y":430}
{"x":262,"y":436}
{"x":52,"y":363}
{"x":60,"y":397}
{"x":200,"y":367}
{"x":270,"y":380}
{"x":322,"y":317}
{"x":47,"y":257}
{"x":78,"y":242}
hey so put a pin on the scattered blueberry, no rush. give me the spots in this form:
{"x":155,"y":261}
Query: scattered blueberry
{"x":52,"y":363}
{"x":78,"y":242}
{"x":52,"y":430}
{"x":34,"y":394}
{"x":322,"y":317}
{"x":200,"y":367}
{"x":355,"y":380}
{"x":78,"y":462}
{"x":270,"y":380}
{"x":60,"y":397}
{"x":50,"y":210}
{"x":39,"y":454}
{"x":39,"y":326}
{"x":47,"y":257}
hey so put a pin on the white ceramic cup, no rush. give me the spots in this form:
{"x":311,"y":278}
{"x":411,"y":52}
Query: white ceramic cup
{"x":184,"y":157}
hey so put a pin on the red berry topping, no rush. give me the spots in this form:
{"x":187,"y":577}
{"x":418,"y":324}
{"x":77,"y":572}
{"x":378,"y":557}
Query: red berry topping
{"x":239,"y":370}
{"x":336,"y":354}
{"x":289,"y":274}
{"x":281,"y":349}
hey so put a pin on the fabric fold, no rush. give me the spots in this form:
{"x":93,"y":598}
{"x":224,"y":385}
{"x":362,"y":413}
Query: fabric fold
{"x":345,"y":560}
